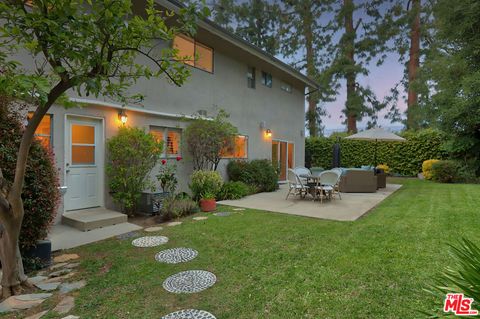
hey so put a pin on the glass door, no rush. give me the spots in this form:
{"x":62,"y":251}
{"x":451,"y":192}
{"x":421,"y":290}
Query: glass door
{"x":283,"y":157}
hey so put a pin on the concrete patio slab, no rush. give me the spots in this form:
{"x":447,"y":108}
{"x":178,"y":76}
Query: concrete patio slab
{"x":66,"y":237}
{"x":351,"y":207}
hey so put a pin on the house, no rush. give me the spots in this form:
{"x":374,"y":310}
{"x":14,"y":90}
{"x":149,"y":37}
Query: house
{"x":264,"y":97}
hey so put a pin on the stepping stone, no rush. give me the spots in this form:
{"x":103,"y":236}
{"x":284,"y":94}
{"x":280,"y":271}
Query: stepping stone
{"x":174,"y":224}
{"x":55,"y":279}
{"x":222,"y":214}
{"x":238,"y":209}
{"x":22,"y":302}
{"x":60,"y":265}
{"x":190,"y":281}
{"x":48,"y":286}
{"x":153,"y":229}
{"x":149,"y":241}
{"x":189,"y":314}
{"x":71,"y":317}
{"x":67,"y":287}
{"x":176,"y":255}
{"x":65,"y":305}
{"x":128,"y":235}
{"x":65,"y":257}
{"x":72,"y":265}
{"x":200,"y":218}
{"x":37,"y":315}
{"x":59,"y":273}
{"x":37,"y":279}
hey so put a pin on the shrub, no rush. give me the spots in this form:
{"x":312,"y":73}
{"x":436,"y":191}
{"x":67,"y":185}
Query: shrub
{"x":176,"y":207}
{"x":233,"y":190}
{"x":205,"y":139}
{"x":444,"y":171}
{"x":40,"y":191}
{"x":427,"y":168}
{"x":205,"y":183}
{"x":384,"y":168}
{"x":260,"y":174}
{"x":403,"y":158}
{"x":132,"y":155}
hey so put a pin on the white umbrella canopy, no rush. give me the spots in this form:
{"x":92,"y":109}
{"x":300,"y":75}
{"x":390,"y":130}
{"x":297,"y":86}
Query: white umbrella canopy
{"x":376,"y":134}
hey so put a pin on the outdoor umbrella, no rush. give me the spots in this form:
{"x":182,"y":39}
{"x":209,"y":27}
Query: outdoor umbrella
{"x":376,"y":134}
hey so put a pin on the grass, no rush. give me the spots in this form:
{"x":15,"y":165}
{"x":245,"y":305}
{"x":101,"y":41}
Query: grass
{"x":272,"y":265}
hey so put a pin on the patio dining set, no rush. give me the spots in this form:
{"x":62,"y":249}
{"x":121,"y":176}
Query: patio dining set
{"x":318,"y":185}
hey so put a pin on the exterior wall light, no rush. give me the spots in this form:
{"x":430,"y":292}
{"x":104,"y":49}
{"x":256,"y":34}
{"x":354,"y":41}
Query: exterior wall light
{"x":122,"y":117}
{"x":268,"y":133}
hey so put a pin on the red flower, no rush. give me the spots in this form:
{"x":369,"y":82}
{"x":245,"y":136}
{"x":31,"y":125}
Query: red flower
{"x":164,"y":162}
{"x":179,"y":158}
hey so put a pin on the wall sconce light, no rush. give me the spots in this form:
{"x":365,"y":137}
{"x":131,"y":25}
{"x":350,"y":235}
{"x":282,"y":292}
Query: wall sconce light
{"x":268,"y":133}
{"x":122,"y":117}
{"x":263,"y":125}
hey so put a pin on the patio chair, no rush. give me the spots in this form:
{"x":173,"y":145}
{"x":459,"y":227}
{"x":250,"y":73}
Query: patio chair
{"x":337,"y":185}
{"x":300,"y":170}
{"x":327,"y":185}
{"x":316,"y":170}
{"x":295,"y":185}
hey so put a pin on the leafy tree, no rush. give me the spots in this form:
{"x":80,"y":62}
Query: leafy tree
{"x":132,"y":154}
{"x":206,"y":138}
{"x":452,"y":65}
{"x":82,"y":45}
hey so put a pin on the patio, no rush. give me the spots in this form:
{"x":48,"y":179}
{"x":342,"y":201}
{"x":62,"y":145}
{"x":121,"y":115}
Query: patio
{"x":351,"y":207}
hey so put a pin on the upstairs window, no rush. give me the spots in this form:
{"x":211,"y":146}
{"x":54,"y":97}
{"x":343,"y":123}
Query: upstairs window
{"x":251,"y":77}
{"x":266,"y":79}
{"x":286,"y":87}
{"x":193,"y":53}
{"x":171,"y":139}
{"x":44,"y":130}
{"x":237,"y":149}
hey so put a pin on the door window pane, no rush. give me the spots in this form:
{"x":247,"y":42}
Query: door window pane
{"x":83,"y":155}
{"x":83,"y":134}
{"x":290,"y":155}
{"x":204,"y":57}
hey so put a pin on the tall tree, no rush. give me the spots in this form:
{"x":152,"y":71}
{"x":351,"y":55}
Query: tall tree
{"x":81,"y":45}
{"x":414,"y":61}
{"x":304,"y":36}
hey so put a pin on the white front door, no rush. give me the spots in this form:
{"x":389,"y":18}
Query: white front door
{"x":83,"y":162}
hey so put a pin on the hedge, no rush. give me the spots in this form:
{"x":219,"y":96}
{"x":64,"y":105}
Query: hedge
{"x":403,"y":158}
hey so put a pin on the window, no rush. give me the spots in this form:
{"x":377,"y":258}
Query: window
{"x":251,"y":77}
{"x":83,"y":144}
{"x":266,"y":79}
{"x":194,"y":53}
{"x":237,"y":149}
{"x":171,"y":139}
{"x":44,"y":130}
{"x":286,"y":87}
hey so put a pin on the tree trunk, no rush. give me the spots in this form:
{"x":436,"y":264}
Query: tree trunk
{"x":413,"y":63}
{"x":350,"y":108}
{"x":311,"y":68}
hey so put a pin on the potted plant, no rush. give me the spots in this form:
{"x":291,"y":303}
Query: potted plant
{"x":207,"y":202}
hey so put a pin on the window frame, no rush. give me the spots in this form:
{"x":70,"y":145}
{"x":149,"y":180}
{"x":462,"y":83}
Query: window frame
{"x":252,"y":78}
{"x":194,"y":41}
{"x":265,"y":76}
{"x":165,"y":130}
{"x":50,"y":136}
{"x":246,"y":148}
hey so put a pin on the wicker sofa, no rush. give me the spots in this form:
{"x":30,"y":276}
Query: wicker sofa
{"x":358,"y":181}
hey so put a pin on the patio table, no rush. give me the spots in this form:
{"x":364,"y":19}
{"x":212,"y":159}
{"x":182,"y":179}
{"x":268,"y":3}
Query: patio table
{"x":312,"y":181}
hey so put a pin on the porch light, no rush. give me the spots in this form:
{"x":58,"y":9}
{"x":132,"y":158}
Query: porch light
{"x":122,"y":116}
{"x":268,"y":133}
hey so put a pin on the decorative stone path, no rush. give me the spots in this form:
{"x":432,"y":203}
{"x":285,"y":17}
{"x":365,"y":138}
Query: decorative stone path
{"x":153,"y":229}
{"x":200,"y":218}
{"x":222,"y":214}
{"x":189,"y":314}
{"x":70,"y":286}
{"x":65,"y":305}
{"x":65,"y":257}
{"x":176,"y":255}
{"x":22,"y":302}
{"x":128,"y":235}
{"x":238,"y":209}
{"x":174,"y":224}
{"x":149,"y":241}
{"x":190,"y":281}
{"x":37,"y":315}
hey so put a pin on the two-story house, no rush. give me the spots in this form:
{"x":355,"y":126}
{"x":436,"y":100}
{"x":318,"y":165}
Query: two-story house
{"x":264,"y":96}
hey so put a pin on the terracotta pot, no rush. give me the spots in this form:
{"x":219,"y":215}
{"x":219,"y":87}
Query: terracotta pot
{"x":208,"y":205}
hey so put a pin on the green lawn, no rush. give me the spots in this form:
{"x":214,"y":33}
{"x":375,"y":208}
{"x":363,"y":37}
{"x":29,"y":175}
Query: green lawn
{"x":272,"y":265}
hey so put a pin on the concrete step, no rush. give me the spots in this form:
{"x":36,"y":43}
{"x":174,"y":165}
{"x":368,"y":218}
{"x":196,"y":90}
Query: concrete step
{"x":93,"y":218}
